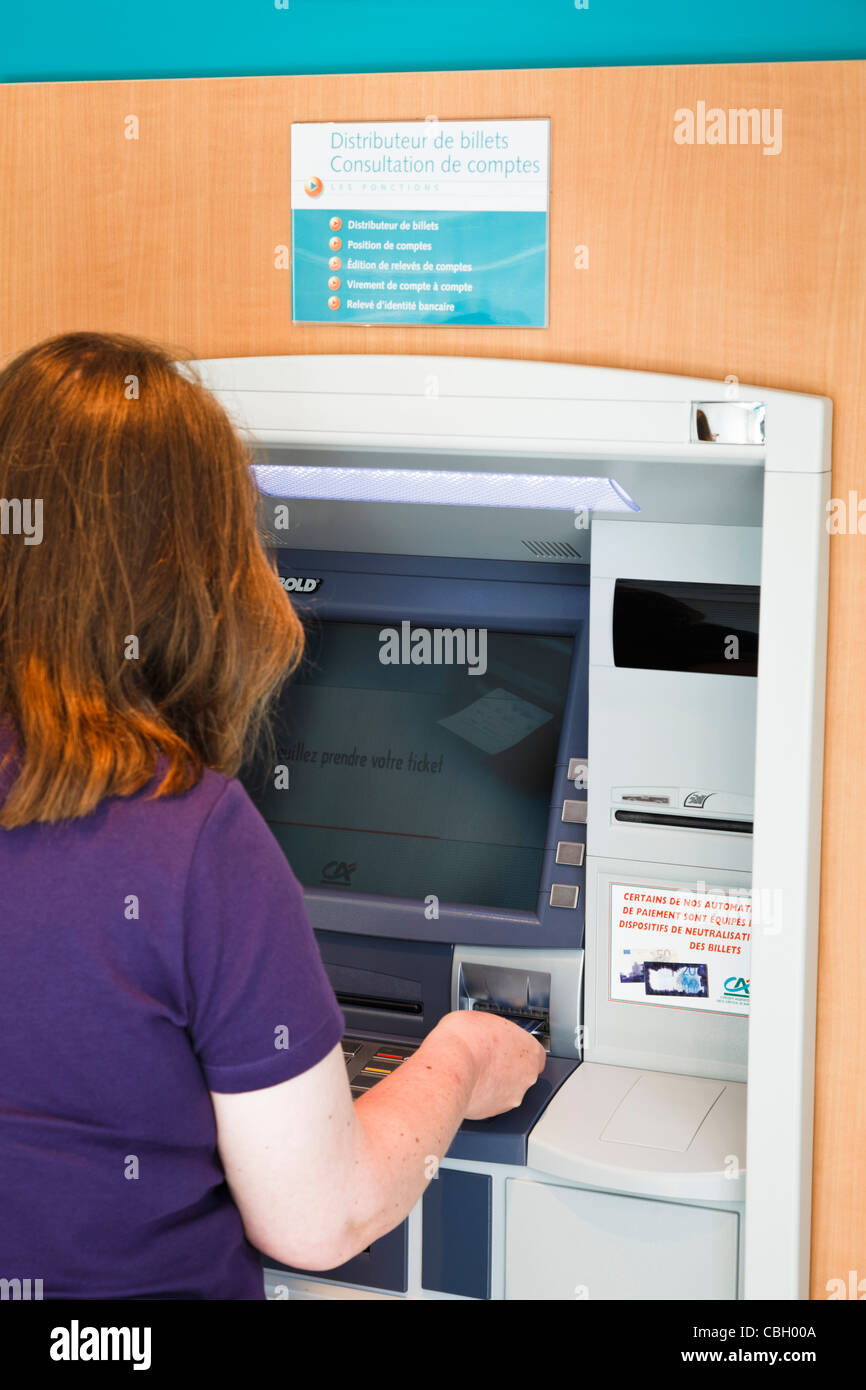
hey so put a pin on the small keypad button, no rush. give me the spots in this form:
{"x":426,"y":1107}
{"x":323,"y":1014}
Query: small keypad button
{"x":564,"y":894}
{"x":570,"y":852}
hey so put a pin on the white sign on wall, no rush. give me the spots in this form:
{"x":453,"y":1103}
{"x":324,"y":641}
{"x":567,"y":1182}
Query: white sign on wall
{"x":420,"y":222}
{"x":683,"y":949}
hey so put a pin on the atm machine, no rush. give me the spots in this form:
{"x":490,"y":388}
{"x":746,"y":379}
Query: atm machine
{"x":529,"y":765}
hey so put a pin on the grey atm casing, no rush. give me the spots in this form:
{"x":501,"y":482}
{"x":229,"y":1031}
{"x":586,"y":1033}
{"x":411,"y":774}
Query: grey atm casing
{"x":665,"y":729}
{"x":598,"y":1178}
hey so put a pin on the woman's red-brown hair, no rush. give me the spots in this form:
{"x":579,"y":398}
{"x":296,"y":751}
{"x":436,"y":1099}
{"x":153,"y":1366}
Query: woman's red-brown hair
{"x":149,"y":620}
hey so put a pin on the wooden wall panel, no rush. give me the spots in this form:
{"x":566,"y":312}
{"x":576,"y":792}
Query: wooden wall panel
{"x":702,"y":260}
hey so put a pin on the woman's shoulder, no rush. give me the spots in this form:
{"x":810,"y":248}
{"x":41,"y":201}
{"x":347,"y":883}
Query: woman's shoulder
{"x":214,"y":826}
{"x":213,"y":794}
{"x":215,"y":806}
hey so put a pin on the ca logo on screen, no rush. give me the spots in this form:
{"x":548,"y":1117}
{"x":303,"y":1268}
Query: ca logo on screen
{"x":735,"y":984}
{"x":338,"y":871}
{"x":299,"y":584}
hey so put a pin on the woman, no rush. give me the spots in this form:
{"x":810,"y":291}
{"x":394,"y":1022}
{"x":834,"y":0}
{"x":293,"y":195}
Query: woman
{"x":172,"y":1087}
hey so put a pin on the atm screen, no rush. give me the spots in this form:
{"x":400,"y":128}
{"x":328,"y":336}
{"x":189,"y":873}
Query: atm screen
{"x":413,"y":762}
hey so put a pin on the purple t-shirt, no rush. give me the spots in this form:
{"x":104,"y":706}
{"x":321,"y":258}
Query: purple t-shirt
{"x":149,"y":953}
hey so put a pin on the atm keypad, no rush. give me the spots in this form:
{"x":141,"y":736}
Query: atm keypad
{"x":564,"y":895}
{"x":568,"y":852}
{"x":368,"y":1061}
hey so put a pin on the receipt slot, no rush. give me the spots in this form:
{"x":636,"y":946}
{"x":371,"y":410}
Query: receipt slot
{"x":567,"y":633}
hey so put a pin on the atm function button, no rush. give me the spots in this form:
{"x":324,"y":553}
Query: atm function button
{"x":350,"y":1046}
{"x":564,"y":894}
{"x":574,"y":812}
{"x":364,"y":1081}
{"x":570,"y":852}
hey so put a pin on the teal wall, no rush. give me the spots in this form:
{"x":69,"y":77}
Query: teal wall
{"x":55,"y":40}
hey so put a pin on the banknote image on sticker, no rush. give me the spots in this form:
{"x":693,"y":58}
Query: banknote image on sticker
{"x":687,"y":980}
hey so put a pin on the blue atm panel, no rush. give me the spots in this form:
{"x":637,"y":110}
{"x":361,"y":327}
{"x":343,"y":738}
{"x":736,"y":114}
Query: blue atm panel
{"x":457,"y":1221}
{"x":423,"y":785}
{"x":419,"y":793}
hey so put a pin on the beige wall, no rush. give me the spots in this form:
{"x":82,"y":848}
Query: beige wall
{"x":702,"y":260}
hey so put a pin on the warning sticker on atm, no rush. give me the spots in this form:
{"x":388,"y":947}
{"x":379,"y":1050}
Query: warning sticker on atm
{"x":688,"y":950}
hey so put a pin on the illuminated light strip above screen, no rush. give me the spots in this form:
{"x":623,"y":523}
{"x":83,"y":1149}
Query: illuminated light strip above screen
{"x":439,"y":487}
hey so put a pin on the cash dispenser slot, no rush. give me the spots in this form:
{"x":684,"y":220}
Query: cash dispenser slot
{"x":376,"y":1001}
{"x":737,"y":827}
